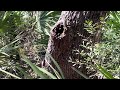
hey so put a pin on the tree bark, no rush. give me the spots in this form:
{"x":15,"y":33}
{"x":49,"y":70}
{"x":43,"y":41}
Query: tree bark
{"x":66,"y":36}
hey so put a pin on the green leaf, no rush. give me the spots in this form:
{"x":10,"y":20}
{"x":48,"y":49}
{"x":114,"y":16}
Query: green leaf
{"x":48,"y":73}
{"x":5,"y":15}
{"x":5,"y":48}
{"x":10,"y":74}
{"x":86,"y":77}
{"x":4,"y":53}
{"x":56,"y":73}
{"x":56,"y":64}
{"x":35,"y":68}
{"x":23,"y":72}
{"x":104,"y":72}
{"x":49,"y":13}
{"x":8,"y":44}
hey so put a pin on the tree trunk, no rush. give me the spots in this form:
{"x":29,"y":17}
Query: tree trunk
{"x":66,"y":36}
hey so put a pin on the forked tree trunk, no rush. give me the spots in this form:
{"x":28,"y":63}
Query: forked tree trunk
{"x":66,"y":36}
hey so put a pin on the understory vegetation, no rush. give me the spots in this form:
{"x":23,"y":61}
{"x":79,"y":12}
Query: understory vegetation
{"x":24,"y":38}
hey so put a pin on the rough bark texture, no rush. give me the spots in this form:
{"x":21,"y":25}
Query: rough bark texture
{"x":66,"y":36}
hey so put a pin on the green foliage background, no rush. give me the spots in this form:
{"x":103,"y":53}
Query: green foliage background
{"x":13,"y":57}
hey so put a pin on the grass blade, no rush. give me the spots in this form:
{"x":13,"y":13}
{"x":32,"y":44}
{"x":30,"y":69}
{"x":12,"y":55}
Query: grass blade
{"x":104,"y":72}
{"x":3,"y":53}
{"x":23,"y":72}
{"x":35,"y":68}
{"x":80,"y":73}
{"x":48,"y":73}
{"x":10,"y":74}
{"x":5,"y":15}
{"x":56,"y":64}
{"x":8,"y":45}
{"x":56,"y":73}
